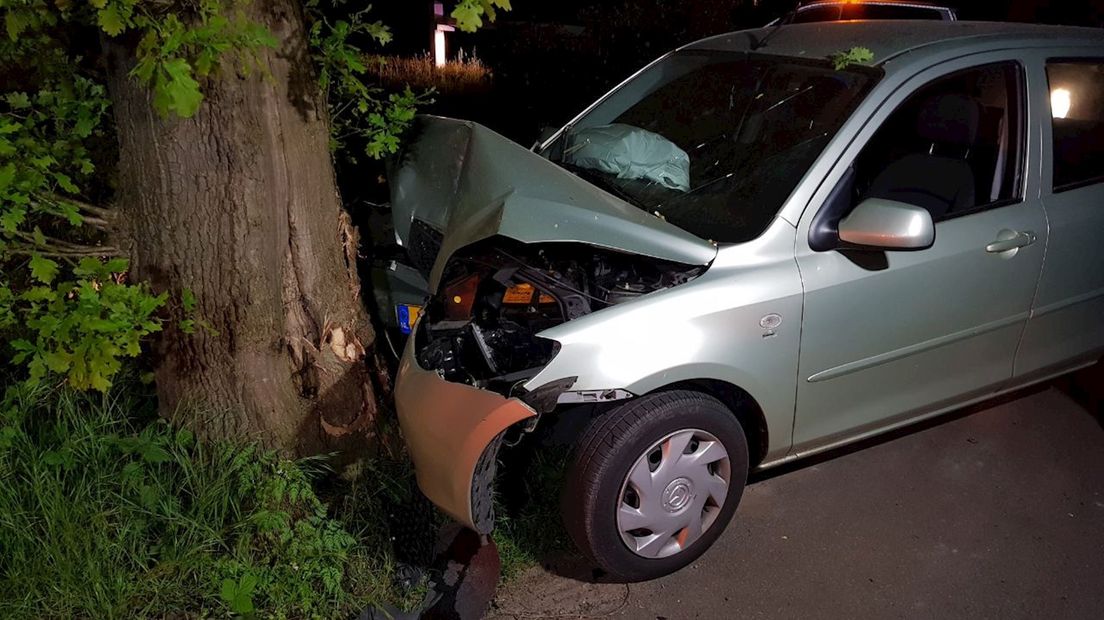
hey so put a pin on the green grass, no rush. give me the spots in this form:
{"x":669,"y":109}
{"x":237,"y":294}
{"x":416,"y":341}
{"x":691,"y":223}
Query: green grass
{"x":528,"y":528}
{"x":108,"y":512}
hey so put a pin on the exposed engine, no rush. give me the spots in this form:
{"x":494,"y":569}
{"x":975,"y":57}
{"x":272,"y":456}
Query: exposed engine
{"x":480,"y":328}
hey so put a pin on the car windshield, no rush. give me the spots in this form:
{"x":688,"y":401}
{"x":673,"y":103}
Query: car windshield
{"x":713,"y":142}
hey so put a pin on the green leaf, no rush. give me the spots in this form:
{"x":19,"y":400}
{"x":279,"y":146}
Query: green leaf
{"x":188,"y":300}
{"x":110,"y":21}
{"x":8,"y":435}
{"x":22,"y":346}
{"x":239,"y":596}
{"x":16,"y":21}
{"x":12,"y":218}
{"x":58,"y":361}
{"x":468,"y":16}
{"x":43,"y":269}
{"x":176,"y":90}
{"x":184,"y":438}
{"x":87,"y":267}
{"x":116,"y":265}
{"x":152,"y":453}
{"x":855,"y":55}
{"x":65,"y":183}
{"x":18,"y":101}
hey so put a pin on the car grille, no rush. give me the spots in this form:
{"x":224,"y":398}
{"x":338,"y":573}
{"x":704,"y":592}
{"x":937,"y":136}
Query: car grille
{"x":424,"y":245}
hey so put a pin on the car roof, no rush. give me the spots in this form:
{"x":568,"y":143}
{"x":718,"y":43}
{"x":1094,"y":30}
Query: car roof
{"x":890,"y":38}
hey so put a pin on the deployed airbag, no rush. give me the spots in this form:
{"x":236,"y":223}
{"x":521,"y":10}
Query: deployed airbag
{"x":631,"y":153}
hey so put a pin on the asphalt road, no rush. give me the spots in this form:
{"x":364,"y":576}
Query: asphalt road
{"x":996,"y":512}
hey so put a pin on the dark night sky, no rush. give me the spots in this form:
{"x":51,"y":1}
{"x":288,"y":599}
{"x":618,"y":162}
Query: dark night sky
{"x":544,"y":71}
{"x":410,"y":18}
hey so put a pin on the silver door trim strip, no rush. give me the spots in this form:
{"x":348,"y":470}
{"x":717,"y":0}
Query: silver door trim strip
{"x":909,"y":421}
{"x":1065,"y":303}
{"x":913,"y":349}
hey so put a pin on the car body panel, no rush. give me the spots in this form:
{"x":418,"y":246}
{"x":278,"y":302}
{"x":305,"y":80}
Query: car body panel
{"x":888,"y":343}
{"x":471,"y":183}
{"x":1066,"y":317}
{"x":705,"y":329}
{"x":447,"y":427}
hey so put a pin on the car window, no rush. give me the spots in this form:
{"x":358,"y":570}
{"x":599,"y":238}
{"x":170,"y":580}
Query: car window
{"x":714,"y":142}
{"x":1077,"y":112}
{"x":954,"y":147}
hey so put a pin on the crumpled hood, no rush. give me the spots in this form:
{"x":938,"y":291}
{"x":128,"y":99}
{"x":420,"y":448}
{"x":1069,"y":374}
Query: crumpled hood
{"x":469,"y":183}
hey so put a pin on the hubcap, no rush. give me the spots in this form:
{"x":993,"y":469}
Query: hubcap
{"x":673,"y":493}
{"x":678,"y":494}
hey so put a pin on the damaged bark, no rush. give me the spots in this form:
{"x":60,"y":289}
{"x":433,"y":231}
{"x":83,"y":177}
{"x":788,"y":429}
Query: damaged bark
{"x":239,"y":204}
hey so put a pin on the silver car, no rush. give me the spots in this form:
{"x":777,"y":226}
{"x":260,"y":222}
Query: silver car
{"x":763,"y":245}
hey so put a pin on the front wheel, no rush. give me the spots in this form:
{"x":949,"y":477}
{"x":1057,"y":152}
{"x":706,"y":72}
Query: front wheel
{"x":654,"y":483}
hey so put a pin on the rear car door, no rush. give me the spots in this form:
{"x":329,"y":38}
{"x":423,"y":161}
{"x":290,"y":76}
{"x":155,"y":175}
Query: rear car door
{"x":888,"y":336}
{"x":1067,"y":322}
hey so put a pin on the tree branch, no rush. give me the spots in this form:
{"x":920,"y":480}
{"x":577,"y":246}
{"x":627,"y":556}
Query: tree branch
{"x":100,"y":213}
{"x":69,"y":250}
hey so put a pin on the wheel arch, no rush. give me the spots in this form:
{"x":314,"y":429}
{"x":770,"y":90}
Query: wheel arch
{"x":741,"y":403}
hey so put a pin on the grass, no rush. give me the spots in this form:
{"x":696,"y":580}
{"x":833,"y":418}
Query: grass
{"x":464,"y":75}
{"x":107,"y":512}
{"x":528,"y":528}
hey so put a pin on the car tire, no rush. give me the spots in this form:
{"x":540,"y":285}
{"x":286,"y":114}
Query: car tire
{"x":630,"y":505}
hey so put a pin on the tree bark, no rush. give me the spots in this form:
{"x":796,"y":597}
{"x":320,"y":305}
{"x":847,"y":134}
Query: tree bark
{"x":239,"y":204}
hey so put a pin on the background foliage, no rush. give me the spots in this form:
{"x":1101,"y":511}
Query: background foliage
{"x":109,"y":512}
{"x":67,"y":307}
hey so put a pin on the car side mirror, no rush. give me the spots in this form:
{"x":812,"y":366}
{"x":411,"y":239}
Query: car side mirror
{"x":880,"y":224}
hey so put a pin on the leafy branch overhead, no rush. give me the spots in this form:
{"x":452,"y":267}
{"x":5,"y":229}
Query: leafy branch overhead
{"x":360,"y":111}
{"x":853,"y":56}
{"x":469,"y":14}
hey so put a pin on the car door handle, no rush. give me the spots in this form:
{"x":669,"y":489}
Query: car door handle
{"x":1008,"y":240}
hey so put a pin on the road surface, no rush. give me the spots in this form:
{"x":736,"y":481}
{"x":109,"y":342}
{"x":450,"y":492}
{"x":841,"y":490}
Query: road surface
{"x":995,"y":512}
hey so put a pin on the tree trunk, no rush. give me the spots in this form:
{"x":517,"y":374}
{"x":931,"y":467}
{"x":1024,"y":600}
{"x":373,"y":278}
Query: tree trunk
{"x":239,"y":205}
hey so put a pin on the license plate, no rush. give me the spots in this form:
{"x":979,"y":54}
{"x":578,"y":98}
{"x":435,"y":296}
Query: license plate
{"x":408,"y":316}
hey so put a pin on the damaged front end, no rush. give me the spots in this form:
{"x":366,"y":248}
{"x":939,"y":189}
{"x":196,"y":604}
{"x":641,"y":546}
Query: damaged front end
{"x":482,"y":327}
{"x":464,"y":381}
{"x":511,"y":245}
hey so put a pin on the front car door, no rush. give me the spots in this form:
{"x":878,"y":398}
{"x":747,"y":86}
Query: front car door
{"x":888,"y":336}
{"x":1067,"y":322}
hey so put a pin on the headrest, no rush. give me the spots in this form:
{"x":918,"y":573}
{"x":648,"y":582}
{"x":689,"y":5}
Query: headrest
{"x":950,"y":119}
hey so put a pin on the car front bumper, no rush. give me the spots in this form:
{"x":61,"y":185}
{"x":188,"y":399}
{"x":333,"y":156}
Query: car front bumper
{"x":453,"y":432}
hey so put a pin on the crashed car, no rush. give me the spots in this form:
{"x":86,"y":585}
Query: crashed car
{"x":748,"y":253}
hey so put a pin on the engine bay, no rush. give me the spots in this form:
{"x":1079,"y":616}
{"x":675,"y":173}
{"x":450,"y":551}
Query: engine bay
{"x":481,"y":326}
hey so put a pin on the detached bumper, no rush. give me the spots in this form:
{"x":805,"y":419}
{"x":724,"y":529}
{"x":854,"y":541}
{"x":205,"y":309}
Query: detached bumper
{"x":452,"y":431}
